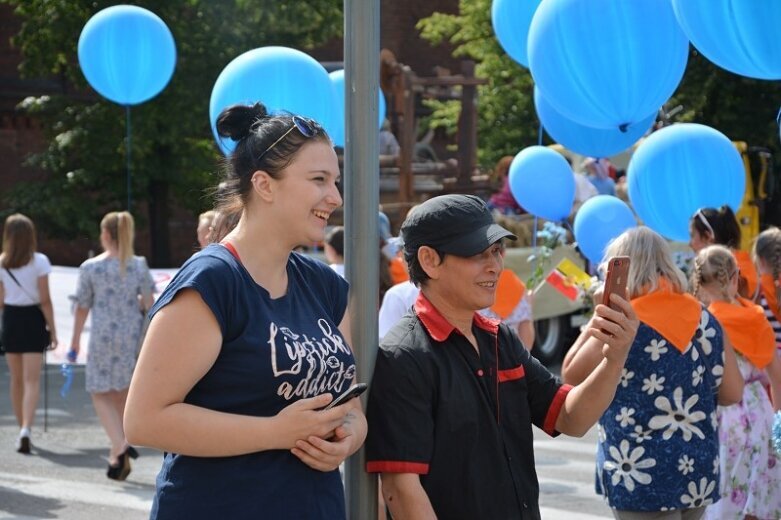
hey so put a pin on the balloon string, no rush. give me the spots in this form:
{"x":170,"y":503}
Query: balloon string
{"x":539,"y":135}
{"x":127,"y":155}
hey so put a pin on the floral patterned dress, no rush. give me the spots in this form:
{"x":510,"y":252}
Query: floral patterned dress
{"x":658,"y":446}
{"x":116,"y":318}
{"x":750,"y":469}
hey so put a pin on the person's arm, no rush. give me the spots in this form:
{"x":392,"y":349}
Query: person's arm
{"x":731,"y":388}
{"x":582,"y":358}
{"x":526,"y":334}
{"x":2,"y":295}
{"x":326,"y":455}
{"x":773,"y":371}
{"x":79,"y":318}
{"x":181,"y":345}
{"x":405,"y":497}
{"x":586,"y":403}
{"x":46,"y":308}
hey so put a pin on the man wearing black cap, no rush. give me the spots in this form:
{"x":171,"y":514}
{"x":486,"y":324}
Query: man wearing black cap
{"x":454,"y":394}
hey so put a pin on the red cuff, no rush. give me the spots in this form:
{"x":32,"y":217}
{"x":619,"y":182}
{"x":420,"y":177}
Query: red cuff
{"x":396,"y":466}
{"x":549,"y":426}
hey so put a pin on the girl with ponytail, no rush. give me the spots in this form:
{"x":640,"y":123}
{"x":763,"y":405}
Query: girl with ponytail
{"x":250,"y":341}
{"x":116,"y":286}
{"x":750,"y":469}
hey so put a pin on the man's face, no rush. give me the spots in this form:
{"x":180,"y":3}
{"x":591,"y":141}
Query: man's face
{"x":469,"y":283}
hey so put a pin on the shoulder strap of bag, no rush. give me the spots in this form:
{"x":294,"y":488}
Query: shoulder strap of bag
{"x":17,"y":283}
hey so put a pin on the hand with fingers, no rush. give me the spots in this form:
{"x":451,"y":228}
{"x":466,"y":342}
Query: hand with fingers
{"x":304,"y":419}
{"x":326,"y":455}
{"x":615,"y":328}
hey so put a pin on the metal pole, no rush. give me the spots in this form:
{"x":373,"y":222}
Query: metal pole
{"x":127,"y":156}
{"x":361,"y":178}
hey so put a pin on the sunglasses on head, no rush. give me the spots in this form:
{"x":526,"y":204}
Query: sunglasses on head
{"x":306,"y":127}
{"x":705,"y":222}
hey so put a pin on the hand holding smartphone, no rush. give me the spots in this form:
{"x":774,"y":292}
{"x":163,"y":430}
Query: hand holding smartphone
{"x":616,"y":279}
{"x":351,"y":393}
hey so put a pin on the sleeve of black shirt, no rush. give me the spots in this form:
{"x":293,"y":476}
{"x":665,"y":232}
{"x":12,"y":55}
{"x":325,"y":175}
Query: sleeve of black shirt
{"x":400,"y":414}
{"x":546,"y":393}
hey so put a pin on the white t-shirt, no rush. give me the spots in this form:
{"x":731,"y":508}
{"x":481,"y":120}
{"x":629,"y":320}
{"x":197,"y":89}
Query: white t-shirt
{"x":339,"y":269}
{"x":395,"y":304}
{"x":27,"y":276}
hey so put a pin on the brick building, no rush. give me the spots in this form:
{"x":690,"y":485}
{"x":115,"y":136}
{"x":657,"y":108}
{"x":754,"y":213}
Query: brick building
{"x":21,"y":135}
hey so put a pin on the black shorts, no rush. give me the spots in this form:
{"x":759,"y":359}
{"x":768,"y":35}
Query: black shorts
{"x":24,"y":329}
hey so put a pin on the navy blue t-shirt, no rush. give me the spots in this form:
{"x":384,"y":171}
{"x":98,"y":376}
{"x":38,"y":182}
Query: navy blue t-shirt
{"x":274,"y":352}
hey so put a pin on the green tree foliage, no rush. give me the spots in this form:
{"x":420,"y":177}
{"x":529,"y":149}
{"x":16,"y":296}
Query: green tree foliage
{"x":741,"y":108}
{"x":173,"y":152}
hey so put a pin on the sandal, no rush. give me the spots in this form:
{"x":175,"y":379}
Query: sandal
{"x":121,"y":469}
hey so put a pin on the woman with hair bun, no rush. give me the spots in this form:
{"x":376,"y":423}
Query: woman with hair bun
{"x":250,"y":341}
{"x":711,"y":226}
{"x":28,"y":319}
{"x":116,"y":286}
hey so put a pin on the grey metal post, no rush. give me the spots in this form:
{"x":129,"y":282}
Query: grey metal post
{"x":361,"y":201}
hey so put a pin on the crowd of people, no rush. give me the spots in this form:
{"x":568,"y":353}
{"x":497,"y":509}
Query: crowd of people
{"x":250,"y":343}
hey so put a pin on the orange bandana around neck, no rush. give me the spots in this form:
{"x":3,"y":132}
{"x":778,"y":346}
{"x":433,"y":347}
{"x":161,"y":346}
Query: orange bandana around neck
{"x":747,"y":329}
{"x":675,"y":316}
{"x":509,"y":291}
{"x":747,"y":271}
{"x":769,"y":291}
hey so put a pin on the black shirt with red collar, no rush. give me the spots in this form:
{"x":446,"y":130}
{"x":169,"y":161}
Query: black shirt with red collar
{"x":460,"y":420}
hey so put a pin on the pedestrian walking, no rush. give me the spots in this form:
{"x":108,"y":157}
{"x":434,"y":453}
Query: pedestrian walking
{"x":250,"y":340}
{"x":28,"y":320}
{"x":116,"y":288}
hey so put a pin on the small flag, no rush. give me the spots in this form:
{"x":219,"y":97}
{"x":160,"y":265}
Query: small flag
{"x":569,"y":279}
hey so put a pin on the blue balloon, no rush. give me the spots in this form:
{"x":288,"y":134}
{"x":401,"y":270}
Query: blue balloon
{"x":127,"y":54}
{"x":606,"y":63}
{"x":281,"y":78}
{"x":680,"y":169}
{"x":542,"y":182}
{"x":736,"y":35}
{"x":594,"y":142}
{"x":511,"y":20}
{"x":598,"y":221}
{"x":336,"y":129}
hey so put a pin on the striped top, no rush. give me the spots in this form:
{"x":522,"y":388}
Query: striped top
{"x":772,"y":319}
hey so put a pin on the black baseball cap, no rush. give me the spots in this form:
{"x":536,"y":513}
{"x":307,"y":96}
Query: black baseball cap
{"x":460,"y":225}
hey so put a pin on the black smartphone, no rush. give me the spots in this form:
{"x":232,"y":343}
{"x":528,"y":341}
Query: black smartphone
{"x":351,"y":393}
{"x":616,"y":279}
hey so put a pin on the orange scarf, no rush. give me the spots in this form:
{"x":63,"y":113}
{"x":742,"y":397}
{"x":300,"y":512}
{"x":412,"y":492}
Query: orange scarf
{"x":675,"y":316}
{"x":768,"y":285}
{"x":747,"y":271}
{"x":747,"y":329}
{"x":397,"y":271}
{"x":509,"y":291}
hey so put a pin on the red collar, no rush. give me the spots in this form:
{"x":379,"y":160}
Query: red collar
{"x":437,"y":325}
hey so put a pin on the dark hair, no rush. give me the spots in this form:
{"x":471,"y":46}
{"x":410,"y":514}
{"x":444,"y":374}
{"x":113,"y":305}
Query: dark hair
{"x":725,"y":226}
{"x":335,"y":239}
{"x":19,"y":242}
{"x":417,"y":274}
{"x":260,"y":145}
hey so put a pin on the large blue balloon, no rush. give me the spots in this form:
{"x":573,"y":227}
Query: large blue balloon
{"x":511,"y":20}
{"x":598,"y":221}
{"x":594,"y":142}
{"x":738,"y":35}
{"x":336,"y":128}
{"x":542,"y":182}
{"x":606,"y":63}
{"x":680,"y":169}
{"x":281,"y":78}
{"x":127,"y":54}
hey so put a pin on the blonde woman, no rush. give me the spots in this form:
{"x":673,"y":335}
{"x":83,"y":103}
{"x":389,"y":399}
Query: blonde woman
{"x":658,"y":450}
{"x":28,"y":320}
{"x":117,"y":287}
{"x":750,"y":470}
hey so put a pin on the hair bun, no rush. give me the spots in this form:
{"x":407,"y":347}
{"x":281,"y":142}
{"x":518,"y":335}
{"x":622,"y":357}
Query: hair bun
{"x":236,"y":121}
